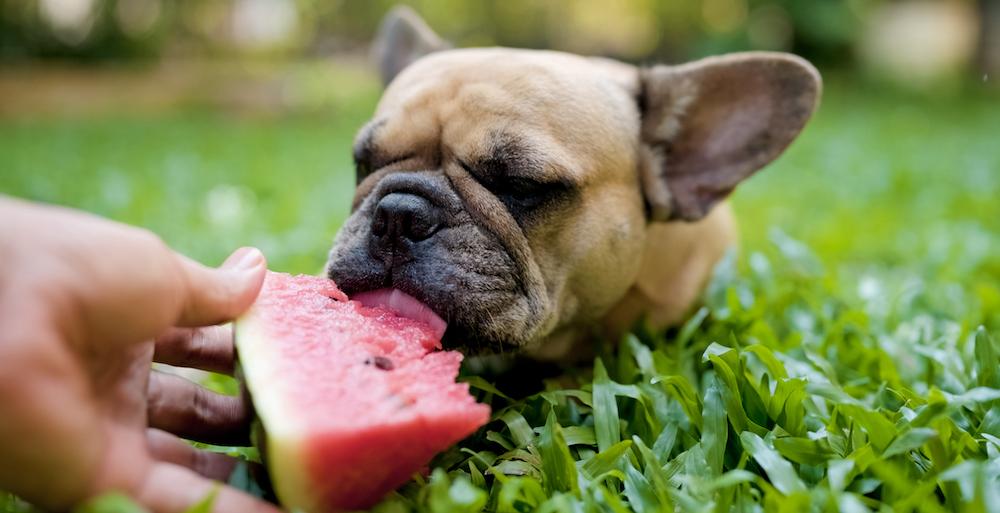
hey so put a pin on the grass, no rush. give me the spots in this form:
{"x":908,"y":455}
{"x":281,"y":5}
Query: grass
{"x":845,"y":360}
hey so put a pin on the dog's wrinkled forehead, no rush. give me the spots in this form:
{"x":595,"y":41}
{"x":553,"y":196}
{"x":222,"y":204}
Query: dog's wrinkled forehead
{"x":499,"y":150}
{"x":477,"y":104}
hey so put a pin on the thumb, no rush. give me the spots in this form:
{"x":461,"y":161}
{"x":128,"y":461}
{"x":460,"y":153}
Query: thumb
{"x":213,"y":296}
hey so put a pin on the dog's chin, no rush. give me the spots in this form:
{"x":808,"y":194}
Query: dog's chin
{"x":471,"y":343}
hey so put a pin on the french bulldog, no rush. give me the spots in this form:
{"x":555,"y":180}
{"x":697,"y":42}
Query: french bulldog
{"x":533,"y":198}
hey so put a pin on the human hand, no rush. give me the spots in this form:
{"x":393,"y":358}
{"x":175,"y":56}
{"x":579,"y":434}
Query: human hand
{"x":86,"y":305}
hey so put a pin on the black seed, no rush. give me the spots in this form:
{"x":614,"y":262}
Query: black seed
{"x":380,"y":362}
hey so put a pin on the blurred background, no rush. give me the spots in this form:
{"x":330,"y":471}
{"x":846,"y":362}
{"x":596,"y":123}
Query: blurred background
{"x":219,"y":123}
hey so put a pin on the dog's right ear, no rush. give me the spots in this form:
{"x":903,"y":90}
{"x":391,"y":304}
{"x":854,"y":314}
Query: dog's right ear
{"x":710,"y":124}
{"x":402,"y":38}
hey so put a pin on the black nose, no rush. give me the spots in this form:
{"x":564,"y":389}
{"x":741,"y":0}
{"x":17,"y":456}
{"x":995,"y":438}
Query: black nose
{"x":401,"y":217}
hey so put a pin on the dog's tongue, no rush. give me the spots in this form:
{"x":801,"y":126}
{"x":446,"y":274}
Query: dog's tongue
{"x":404,"y":305}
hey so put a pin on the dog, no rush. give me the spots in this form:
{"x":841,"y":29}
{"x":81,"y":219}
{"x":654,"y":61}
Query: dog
{"x":534,"y":198}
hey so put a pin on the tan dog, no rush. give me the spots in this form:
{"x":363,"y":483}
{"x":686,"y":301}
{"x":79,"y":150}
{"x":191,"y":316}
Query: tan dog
{"x":529,"y":197}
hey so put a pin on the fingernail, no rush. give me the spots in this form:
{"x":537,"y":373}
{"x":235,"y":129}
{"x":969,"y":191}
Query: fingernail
{"x":243,"y":259}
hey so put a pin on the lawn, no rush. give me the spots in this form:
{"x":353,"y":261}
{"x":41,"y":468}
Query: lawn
{"x":838,"y":363}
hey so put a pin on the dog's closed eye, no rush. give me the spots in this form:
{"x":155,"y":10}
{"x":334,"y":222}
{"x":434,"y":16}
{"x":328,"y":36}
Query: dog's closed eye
{"x":515,"y":191}
{"x":520,"y":194}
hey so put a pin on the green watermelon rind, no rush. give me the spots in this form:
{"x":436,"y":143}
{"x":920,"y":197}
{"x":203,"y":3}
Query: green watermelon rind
{"x":282,"y":451}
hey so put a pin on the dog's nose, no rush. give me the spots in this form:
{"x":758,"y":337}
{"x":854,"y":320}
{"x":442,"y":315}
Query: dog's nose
{"x":401,"y":215}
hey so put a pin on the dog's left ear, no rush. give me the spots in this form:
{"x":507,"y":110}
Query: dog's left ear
{"x":710,"y":124}
{"x":402,"y":38}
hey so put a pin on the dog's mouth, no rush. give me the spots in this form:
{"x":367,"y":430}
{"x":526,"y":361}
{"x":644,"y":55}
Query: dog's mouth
{"x":403,"y":305}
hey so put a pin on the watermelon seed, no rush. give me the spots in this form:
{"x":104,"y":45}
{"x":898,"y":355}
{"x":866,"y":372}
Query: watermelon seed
{"x":380,"y":362}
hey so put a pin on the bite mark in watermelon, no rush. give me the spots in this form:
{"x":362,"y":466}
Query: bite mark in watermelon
{"x":353,"y":399}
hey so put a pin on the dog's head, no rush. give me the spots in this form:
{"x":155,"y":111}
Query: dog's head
{"x":512,"y":191}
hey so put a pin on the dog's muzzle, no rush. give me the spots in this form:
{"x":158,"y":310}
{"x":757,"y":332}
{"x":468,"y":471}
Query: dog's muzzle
{"x":413,"y":234}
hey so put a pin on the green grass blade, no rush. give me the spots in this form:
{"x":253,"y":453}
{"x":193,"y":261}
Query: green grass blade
{"x":781,"y":473}
{"x":606,"y":425}
{"x":558,"y":467}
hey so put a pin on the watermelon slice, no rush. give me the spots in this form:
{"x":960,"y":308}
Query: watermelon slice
{"x":353,"y":399}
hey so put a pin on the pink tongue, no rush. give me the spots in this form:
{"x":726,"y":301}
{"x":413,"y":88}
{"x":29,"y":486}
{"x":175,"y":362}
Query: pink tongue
{"x":404,"y":305}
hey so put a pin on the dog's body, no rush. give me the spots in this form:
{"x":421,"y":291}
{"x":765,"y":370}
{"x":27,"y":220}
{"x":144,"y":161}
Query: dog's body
{"x":529,"y":197}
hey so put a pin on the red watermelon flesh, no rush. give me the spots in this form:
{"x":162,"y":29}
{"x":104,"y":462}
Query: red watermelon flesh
{"x":354,"y":400}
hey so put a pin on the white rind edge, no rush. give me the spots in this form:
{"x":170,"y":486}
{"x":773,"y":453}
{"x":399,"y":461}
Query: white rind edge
{"x":284,"y":443}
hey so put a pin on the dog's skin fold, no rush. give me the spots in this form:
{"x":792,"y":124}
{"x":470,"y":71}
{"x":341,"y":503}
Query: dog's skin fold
{"x":533,"y":197}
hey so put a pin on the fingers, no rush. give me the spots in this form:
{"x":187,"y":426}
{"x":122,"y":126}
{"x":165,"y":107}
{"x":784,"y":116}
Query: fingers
{"x":170,"y":488}
{"x":101,"y":280}
{"x":212,"y":296}
{"x":190,"y":411}
{"x":168,"y":448}
{"x":209,"y":348}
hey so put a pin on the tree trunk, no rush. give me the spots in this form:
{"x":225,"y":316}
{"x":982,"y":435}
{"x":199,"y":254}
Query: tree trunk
{"x":988,"y":52}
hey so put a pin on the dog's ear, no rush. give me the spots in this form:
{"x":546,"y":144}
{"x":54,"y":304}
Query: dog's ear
{"x":709,"y":124}
{"x":402,"y":38}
